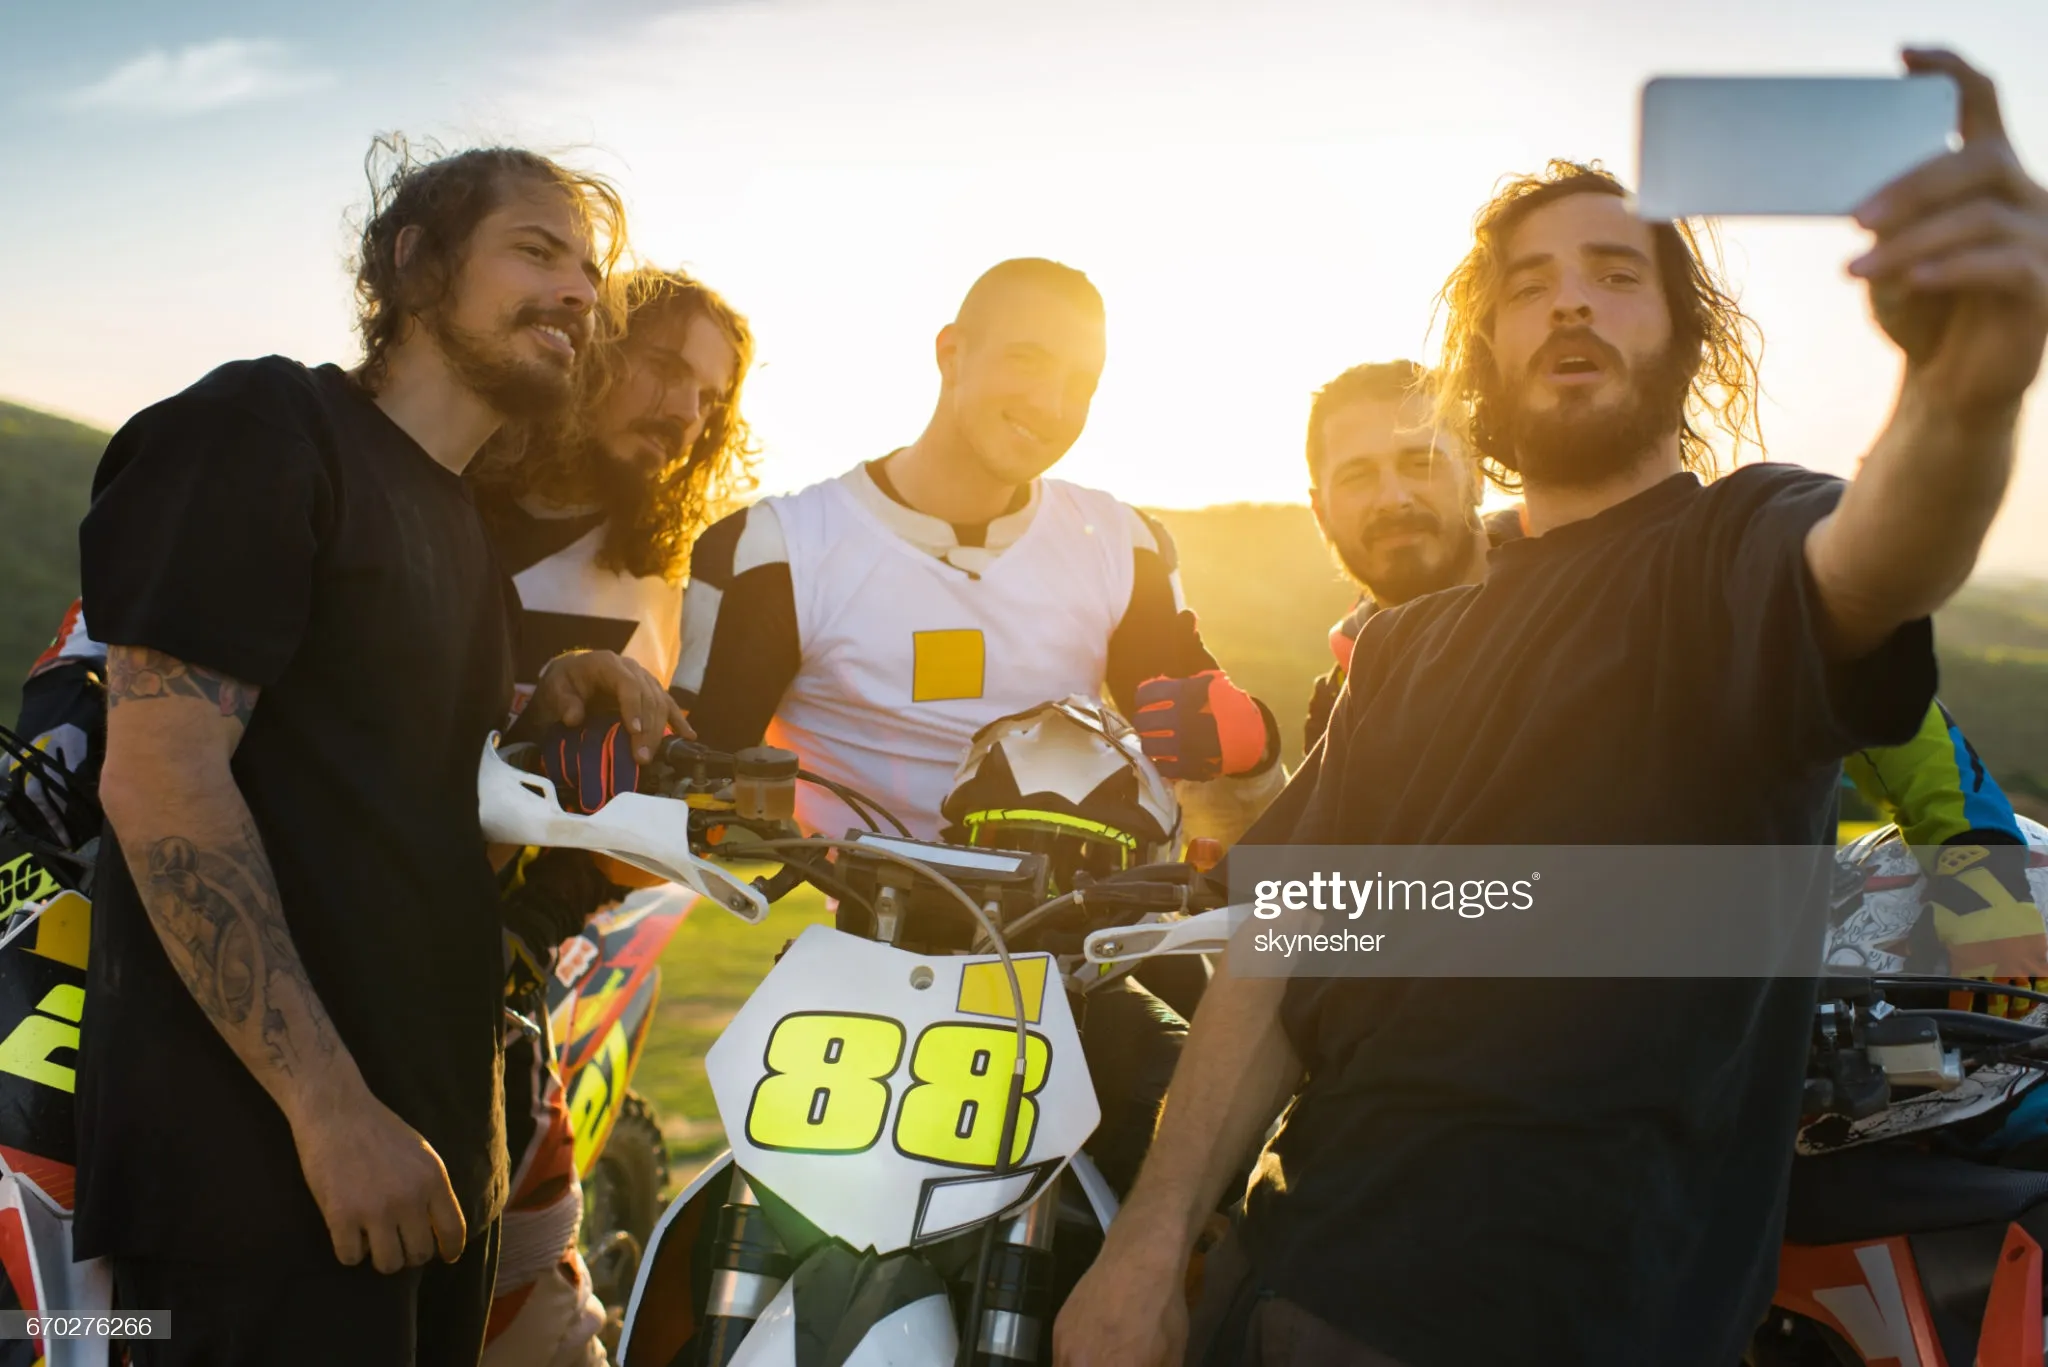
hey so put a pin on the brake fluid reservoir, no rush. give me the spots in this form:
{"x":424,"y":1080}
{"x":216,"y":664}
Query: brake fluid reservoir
{"x":764,"y":784}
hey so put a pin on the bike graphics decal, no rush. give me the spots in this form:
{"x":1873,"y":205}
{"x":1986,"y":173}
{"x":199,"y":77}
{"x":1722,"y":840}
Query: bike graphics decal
{"x":848,"y":1042}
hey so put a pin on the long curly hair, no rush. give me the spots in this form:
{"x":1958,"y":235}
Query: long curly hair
{"x":1717,"y":345}
{"x":445,"y":197}
{"x":708,"y":481}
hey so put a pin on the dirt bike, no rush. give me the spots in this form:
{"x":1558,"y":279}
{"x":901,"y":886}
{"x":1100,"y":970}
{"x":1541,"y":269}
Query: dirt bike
{"x":906,"y":1093}
{"x":601,"y":996}
{"x":600,"y":1000}
{"x":45,"y":925}
{"x":1915,"y":1226}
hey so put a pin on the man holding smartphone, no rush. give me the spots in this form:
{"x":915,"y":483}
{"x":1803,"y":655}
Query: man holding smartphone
{"x":1591,"y":1171}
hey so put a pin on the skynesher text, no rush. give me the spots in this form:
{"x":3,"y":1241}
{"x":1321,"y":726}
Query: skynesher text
{"x":1287,"y":943}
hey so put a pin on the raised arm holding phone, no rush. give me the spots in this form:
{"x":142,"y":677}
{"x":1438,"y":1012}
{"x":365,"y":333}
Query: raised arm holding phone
{"x":1444,"y":1191}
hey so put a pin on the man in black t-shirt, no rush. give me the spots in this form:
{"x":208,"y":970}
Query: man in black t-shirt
{"x":1592,"y":1171}
{"x":288,"y":1087}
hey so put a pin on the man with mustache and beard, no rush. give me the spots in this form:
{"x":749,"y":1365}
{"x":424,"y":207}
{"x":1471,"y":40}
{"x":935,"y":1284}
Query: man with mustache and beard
{"x":289,"y":1109}
{"x":594,"y":517}
{"x":653,"y":446}
{"x":594,"y":513}
{"x":1398,"y":501}
{"x":1590,"y":1171}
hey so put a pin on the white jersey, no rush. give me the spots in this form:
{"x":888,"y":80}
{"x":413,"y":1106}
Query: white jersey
{"x":569,"y":601}
{"x":906,"y":656}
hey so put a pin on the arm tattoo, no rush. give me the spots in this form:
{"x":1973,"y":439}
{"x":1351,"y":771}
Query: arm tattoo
{"x":137,"y":673}
{"x":218,"y":905}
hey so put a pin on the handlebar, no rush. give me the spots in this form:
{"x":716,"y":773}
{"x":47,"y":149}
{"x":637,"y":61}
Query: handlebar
{"x":752,"y":791}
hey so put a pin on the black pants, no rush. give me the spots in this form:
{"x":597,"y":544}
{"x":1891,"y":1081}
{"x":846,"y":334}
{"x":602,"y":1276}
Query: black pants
{"x":325,"y":1315}
{"x":1132,"y":1041}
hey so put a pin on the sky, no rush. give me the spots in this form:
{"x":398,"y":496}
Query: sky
{"x":1265,"y":193}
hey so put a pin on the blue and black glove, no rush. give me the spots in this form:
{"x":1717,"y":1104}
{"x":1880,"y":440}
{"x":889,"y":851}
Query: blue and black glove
{"x":1203,"y":727}
{"x":590,"y":764}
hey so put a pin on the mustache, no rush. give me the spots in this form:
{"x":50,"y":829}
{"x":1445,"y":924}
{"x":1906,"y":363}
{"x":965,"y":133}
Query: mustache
{"x":1576,"y":340}
{"x":1396,"y":524}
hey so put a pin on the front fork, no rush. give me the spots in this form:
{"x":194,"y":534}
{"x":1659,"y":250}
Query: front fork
{"x":748,"y":1268}
{"x":1016,"y":1297}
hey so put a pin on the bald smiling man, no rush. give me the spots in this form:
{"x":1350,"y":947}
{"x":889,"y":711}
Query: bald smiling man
{"x":879,"y":619}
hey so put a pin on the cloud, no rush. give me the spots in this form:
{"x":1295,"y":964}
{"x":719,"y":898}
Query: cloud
{"x":200,"y":77}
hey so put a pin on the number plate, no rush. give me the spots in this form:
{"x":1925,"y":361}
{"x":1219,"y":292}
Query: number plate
{"x":875,"y":1106}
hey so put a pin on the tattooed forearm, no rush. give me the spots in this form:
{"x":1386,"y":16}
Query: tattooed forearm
{"x":137,"y":673}
{"x":216,"y":909}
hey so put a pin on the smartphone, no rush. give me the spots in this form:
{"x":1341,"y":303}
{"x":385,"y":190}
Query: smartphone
{"x":1796,"y":146}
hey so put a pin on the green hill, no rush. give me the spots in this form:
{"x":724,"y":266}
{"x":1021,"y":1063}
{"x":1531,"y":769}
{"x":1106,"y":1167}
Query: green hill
{"x":46,"y":466}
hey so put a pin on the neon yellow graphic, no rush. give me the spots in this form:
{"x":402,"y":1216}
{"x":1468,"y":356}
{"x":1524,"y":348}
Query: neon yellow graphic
{"x":26,"y":1050}
{"x":826,"y":1089}
{"x":985,"y":990}
{"x":22,"y":880}
{"x":595,"y":1103}
{"x":953,"y":1112}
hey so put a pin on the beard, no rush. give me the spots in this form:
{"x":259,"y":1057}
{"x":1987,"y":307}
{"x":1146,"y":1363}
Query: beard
{"x":629,"y":487}
{"x":1580,"y":443}
{"x":1414,"y":570}
{"x":487,"y":366}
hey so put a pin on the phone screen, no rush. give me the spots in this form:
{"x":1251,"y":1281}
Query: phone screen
{"x":1814,"y":146}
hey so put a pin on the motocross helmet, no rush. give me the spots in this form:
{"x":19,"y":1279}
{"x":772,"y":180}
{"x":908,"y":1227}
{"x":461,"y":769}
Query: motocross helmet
{"x":1067,"y":779}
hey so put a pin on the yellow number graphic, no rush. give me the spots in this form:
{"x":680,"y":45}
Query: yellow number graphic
{"x":595,"y":1104}
{"x":27,"y":1050}
{"x":825,"y":1091}
{"x":952,"y":1112}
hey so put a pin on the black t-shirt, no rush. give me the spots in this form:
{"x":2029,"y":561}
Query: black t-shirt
{"x":1584,"y":1171}
{"x":273,"y":524}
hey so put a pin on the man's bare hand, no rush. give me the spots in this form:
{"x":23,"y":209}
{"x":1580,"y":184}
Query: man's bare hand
{"x":381,"y":1187}
{"x":1129,"y":1310}
{"x":1959,"y":272}
{"x":573,"y":685}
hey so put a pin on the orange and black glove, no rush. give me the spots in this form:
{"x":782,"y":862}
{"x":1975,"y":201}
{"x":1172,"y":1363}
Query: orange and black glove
{"x":1204,"y":727}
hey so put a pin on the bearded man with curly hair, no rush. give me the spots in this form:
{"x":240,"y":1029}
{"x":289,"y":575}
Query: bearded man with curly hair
{"x":593,"y":515}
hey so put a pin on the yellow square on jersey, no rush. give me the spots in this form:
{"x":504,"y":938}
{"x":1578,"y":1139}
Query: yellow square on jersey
{"x":946,"y":665}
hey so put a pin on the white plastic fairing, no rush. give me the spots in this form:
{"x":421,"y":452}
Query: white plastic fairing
{"x":650,"y":833}
{"x":59,"y":1285}
{"x":772,"y":1340}
{"x":920,"y":1334}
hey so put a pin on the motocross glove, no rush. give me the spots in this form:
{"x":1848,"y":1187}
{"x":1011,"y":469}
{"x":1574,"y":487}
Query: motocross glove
{"x":1204,"y":727}
{"x":1321,"y":703}
{"x":1984,"y":914}
{"x":590,"y":764}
